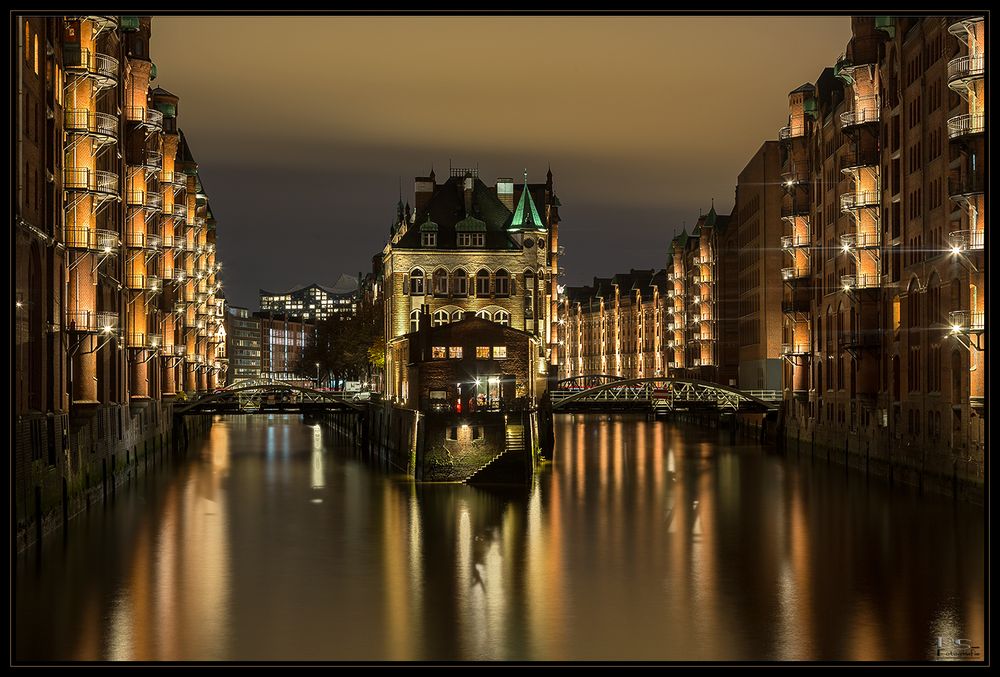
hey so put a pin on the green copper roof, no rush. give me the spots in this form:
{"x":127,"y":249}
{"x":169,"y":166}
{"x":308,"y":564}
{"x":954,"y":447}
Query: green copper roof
{"x":525,"y":214}
{"x":470,"y":224}
{"x":710,"y":217}
{"x":429,"y":226}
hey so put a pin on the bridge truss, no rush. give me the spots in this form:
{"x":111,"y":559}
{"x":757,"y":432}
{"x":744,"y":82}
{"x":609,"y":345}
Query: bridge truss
{"x":658,"y":393}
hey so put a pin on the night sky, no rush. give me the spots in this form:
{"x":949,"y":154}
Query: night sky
{"x":303,"y":126}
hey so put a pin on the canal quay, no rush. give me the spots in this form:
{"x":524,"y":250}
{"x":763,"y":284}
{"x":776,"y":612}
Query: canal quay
{"x":647,"y":540}
{"x":460,"y":338}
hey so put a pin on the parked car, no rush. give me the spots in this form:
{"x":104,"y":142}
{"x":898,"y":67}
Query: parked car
{"x":361,"y":397}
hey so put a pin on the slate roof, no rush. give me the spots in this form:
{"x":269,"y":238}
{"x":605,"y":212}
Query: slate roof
{"x":446,"y":208}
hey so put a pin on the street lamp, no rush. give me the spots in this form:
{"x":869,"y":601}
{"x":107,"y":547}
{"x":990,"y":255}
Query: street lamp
{"x":317,"y":374}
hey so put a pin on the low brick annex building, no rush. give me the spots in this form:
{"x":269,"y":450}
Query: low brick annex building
{"x":470,"y":365}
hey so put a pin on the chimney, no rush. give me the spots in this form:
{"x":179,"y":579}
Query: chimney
{"x":423,"y":189}
{"x":467,"y":191}
{"x":505,"y":191}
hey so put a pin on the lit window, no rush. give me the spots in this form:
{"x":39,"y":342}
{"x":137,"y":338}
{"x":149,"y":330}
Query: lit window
{"x":440,"y":282}
{"x":417,"y":282}
{"x":455,"y":352}
{"x":439,"y":352}
{"x":499,"y":352}
{"x":503,"y":283}
{"x":483,"y":283}
{"x":482,"y":352}
{"x":459,"y":282}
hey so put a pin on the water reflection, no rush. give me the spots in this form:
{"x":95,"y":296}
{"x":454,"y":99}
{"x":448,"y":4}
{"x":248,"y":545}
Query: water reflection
{"x":644,"y":540}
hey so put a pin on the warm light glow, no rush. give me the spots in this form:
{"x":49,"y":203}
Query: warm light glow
{"x":19,"y":304}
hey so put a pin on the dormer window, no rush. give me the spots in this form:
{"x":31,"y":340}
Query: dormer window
{"x":428,"y":239}
{"x":472,"y":239}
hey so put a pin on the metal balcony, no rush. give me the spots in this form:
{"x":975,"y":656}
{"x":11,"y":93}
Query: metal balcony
{"x":95,"y":181}
{"x":793,"y":273}
{"x":859,"y":339}
{"x":142,"y":241}
{"x":144,"y":341}
{"x":90,"y":322}
{"x":173,"y":350}
{"x":961,"y":187}
{"x":965,"y":322}
{"x":858,"y":200}
{"x":102,"y":126}
{"x":180,"y":210}
{"x":966,"y":68}
{"x":150,"y":118}
{"x":856,"y":159}
{"x":963,"y":240}
{"x":859,"y":116}
{"x":794,"y":241}
{"x":145,"y":283}
{"x":795,"y":349}
{"x":789,"y":132}
{"x":860,"y":240}
{"x":153,"y":202}
{"x":92,"y":239}
{"x":99,"y":67}
{"x":152,"y":159}
{"x":860,"y":281}
{"x":962,"y":126}
{"x":793,"y":208}
{"x":199,"y":222}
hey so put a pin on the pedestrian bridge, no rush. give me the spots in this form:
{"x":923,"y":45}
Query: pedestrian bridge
{"x":612,"y":393}
{"x":266,"y":396}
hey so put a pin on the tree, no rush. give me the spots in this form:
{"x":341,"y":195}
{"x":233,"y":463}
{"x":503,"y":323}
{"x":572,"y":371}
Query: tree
{"x":347,"y":348}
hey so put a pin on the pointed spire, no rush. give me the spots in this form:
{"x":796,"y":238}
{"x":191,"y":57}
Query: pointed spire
{"x":526,"y":214}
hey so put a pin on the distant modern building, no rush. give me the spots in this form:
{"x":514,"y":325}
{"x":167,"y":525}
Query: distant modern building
{"x":243,"y":343}
{"x":282,"y":342}
{"x":314,"y":301}
{"x":757,"y":222}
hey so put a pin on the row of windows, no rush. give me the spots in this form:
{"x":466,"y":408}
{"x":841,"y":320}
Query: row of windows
{"x":442,"y":317}
{"x":457,"y":282}
{"x":455,"y":352}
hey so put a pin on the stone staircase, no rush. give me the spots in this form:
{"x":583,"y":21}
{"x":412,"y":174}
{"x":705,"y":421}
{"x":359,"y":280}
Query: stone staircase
{"x":507,"y":467}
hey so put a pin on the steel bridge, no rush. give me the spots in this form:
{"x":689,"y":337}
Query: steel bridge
{"x":604,"y":392}
{"x":266,"y":396}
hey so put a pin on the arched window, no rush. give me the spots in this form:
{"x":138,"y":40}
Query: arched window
{"x":417,"y":282}
{"x":460,"y":283}
{"x":414,"y":320}
{"x":483,"y":283}
{"x":503,"y":283}
{"x":457,"y":315}
{"x":440,"y":282}
{"x":502,"y":317}
{"x":529,"y":295}
{"x":440,"y":317}
{"x":485,"y":314}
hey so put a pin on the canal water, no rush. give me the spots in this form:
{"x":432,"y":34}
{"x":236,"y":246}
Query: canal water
{"x":643,"y":541}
